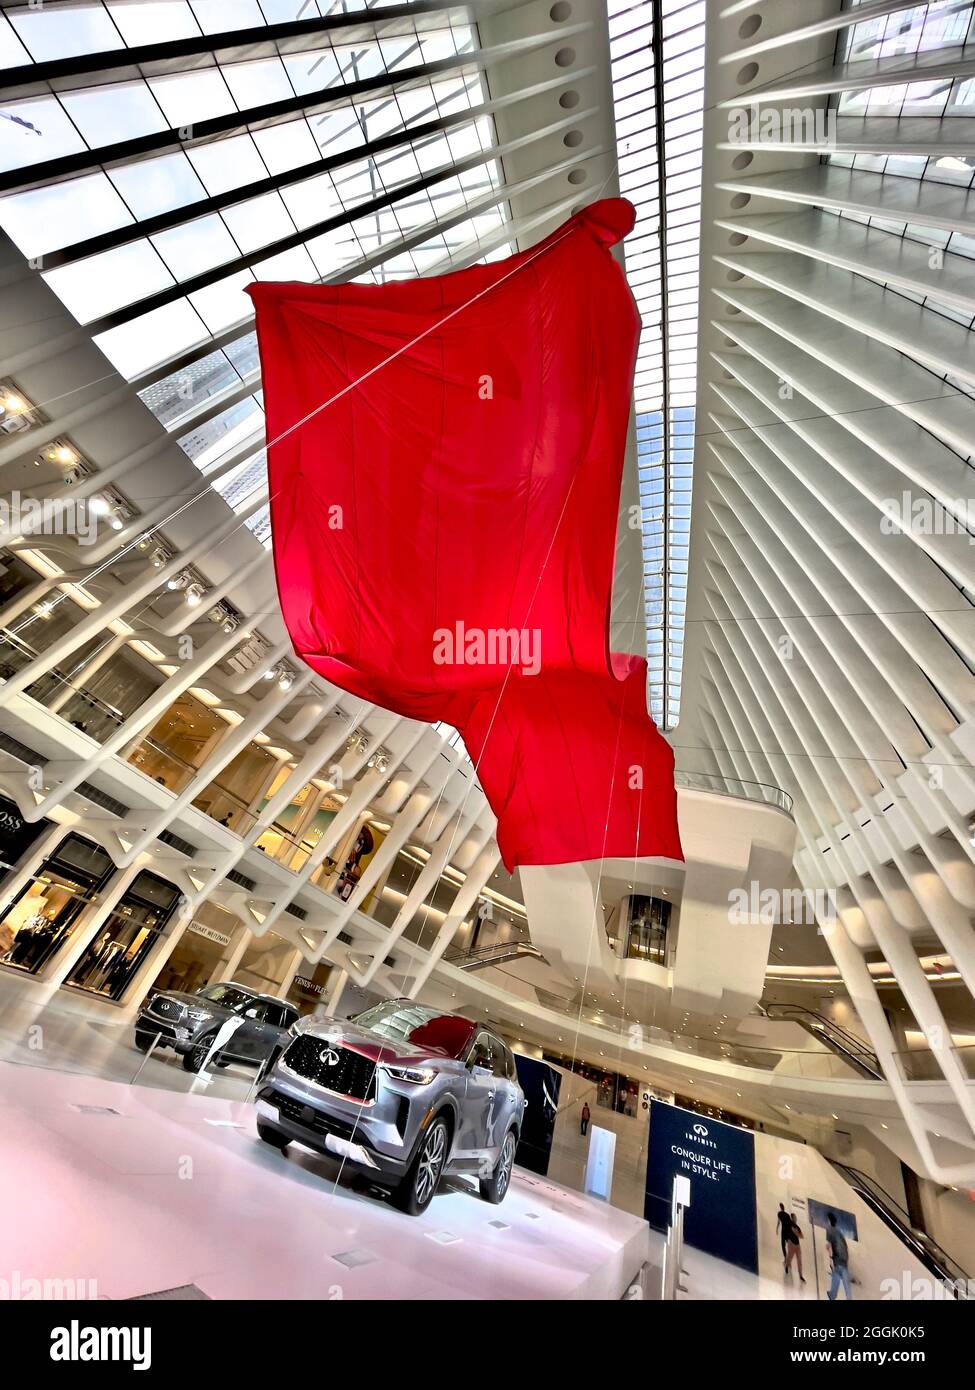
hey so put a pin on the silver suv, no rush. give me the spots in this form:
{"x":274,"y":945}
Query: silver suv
{"x":403,"y":1092}
{"x":190,"y":1023}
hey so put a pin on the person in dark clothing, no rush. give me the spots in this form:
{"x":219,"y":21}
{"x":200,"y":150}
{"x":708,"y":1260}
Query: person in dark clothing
{"x":840,"y":1253}
{"x":584,"y":1118}
{"x":782,"y":1221}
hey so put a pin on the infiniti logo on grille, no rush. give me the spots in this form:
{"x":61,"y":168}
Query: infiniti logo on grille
{"x":329,"y":1058}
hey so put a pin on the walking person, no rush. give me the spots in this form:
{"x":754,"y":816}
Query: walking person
{"x":793,"y":1247}
{"x":584,"y":1118}
{"x":782,"y":1220}
{"x":839,"y":1250}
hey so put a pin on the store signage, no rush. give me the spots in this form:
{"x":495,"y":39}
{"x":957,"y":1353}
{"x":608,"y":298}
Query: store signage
{"x":309,"y":985}
{"x":211,"y":935}
{"x":718,"y":1160}
{"x":16,"y":834}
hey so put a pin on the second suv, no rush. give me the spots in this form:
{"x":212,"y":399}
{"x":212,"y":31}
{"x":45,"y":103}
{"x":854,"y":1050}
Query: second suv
{"x":403,"y":1092}
{"x":189,"y":1023}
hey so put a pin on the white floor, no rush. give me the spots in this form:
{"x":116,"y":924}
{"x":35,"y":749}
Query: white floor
{"x":708,"y":1278}
{"x":141,"y":1189}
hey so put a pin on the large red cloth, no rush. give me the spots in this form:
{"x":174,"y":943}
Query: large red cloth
{"x":445,"y":458}
{"x":575,"y":769}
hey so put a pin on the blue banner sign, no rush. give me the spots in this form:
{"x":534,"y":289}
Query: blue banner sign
{"x":719,"y":1162}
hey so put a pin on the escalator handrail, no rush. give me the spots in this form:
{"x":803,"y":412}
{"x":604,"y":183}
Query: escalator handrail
{"x":938,"y":1254}
{"x":830,"y":1023}
{"x":836,"y":1030}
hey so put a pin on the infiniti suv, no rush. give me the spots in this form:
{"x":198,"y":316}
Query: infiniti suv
{"x":189,"y":1023}
{"x":404,"y":1093}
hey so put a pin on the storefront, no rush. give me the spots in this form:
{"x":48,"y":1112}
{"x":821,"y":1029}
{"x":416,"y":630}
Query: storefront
{"x":203,"y":950}
{"x":267,"y":964}
{"x":45,"y":913}
{"x":309,"y":987}
{"x":111,"y":960}
{"x":16,"y":836}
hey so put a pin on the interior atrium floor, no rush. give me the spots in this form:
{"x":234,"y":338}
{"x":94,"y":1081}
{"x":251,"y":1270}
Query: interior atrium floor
{"x":137,"y":1190}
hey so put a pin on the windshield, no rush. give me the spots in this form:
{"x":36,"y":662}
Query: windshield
{"x":419,"y":1025}
{"x":227,"y":996}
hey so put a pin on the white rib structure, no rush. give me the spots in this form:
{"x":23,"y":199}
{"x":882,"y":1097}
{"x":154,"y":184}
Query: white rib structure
{"x":831,"y":629}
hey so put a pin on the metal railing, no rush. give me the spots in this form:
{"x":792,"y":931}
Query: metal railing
{"x":498,"y":953}
{"x":845,"y":1044}
{"x":927,"y":1251}
{"x":734,"y":786}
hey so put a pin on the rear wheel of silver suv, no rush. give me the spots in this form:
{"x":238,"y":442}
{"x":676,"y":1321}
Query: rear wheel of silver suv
{"x":415,"y":1192}
{"x":495,"y":1188}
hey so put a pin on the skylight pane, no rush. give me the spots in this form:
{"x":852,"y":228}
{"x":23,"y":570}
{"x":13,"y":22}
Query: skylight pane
{"x":209,"y":396}
{"x":662,"y":257}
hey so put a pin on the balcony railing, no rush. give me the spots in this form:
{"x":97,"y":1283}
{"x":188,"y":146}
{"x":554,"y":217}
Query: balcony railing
{"x":735,"y":786}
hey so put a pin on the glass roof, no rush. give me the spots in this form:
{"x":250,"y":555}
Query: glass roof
{"x":176,"y":235}
{"x":940,"y":24}
{"x":658,"y":86}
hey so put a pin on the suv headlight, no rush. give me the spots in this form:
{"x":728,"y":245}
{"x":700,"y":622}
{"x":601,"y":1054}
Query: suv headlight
{"x":198,"y":1015}
{"x":420,"y":1076}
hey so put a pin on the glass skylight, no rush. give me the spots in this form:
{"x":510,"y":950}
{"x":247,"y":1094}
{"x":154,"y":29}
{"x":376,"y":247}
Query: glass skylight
{"x":659,"y":103}
{"x":156,"y":302}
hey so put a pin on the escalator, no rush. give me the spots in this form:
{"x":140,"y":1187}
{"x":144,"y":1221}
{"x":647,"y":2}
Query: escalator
{"x":852,"y":1049}
{"x":499,"y":953}
{"x":937,"y":1261}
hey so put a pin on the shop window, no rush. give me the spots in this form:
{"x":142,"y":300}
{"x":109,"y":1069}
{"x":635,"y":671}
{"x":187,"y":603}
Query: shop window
{"x":96,"y":702}
{"x":309,"y":988}
{"x":35,"y":631}
{"x":283,"y":840}
{"x":110,"y":962}
{"x":229,"y":796}
{"x":201,"y":951}
{"x":99,"y":702}
{"x":45,"y":913}
{"x":265,"y":963}
{"x":15,"y":577}
{"x":178,"y":743}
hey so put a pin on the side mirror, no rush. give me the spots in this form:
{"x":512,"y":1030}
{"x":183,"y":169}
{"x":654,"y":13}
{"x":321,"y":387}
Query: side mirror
{"x":478,"y":1070}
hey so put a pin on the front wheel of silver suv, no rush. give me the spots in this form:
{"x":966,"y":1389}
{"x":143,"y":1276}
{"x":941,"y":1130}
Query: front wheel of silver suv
{"x":494,"y":1189}
{"x":415,"y":1192}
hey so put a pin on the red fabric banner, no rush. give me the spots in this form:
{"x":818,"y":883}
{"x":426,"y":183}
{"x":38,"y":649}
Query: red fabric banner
{"x":444,"y":463}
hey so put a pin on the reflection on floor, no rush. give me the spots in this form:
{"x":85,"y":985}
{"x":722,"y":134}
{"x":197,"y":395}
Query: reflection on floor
{"x":709,"y":1278}
{"x":68,"y":1032}
{"x":138,"y":1189}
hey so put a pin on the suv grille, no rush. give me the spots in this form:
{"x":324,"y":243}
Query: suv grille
{"x":309,"y":1117}
{"x":166,"y":1008}
{"x":352,"y":1075}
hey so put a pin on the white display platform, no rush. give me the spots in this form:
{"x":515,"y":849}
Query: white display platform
{"x":176,"y":1190}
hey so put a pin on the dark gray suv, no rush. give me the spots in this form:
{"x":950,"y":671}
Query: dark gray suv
{"x":189,"y":1023}
{"x":404,"y":1093}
